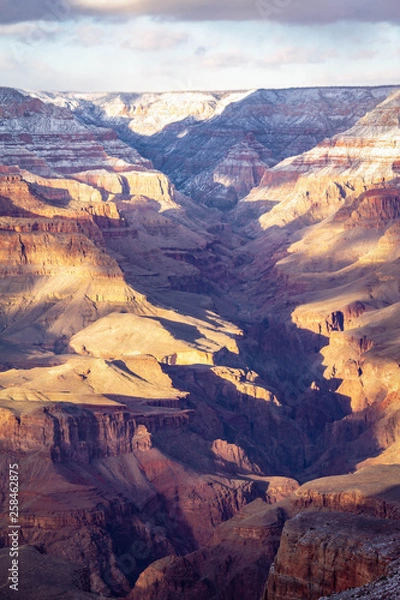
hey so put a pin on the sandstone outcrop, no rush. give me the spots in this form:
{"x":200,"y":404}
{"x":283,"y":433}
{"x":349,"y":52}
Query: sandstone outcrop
{"x":124,"y":185}
{"x":233,"y":564}
{"x":235,"y":176}
{"x":351,"y":541}
{"x":92,"y":475}
{"x":322,"y":553}
{"x":206,"y":128}
{"x":385,"y":588}
{"x":47,"y":139}
{"x":342,"y":166}
{"x":78,"y":434}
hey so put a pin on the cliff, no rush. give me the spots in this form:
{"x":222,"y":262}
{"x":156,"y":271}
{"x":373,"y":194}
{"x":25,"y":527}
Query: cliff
{"x":232,"y":565}
{"x":46,"y":139}
{"x":325,"y":553}
{"x":211,"y":130}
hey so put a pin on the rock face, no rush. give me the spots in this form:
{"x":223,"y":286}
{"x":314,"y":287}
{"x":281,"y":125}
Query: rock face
{"x":234,"y":176}
{"x":94,"y":478}
{"x":363,"y":156}
{"x":124,"y":186}
{"x":46,"y":139}
{"x":332,"y":534}
{"x":352,"y":540}
{"x":179,"y":347}
{"x":211,"y":131}
{"x":216,"y":571}
{"x":384,"y":588}
{"x":322,"y":553}
{"x":46,"y":577}
{"x":83,"y":436}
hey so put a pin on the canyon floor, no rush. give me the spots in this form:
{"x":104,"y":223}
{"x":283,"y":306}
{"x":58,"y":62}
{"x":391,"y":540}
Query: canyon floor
{"x":199,"y":343}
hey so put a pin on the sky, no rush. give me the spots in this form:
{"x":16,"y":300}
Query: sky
{"x":178,"y":45}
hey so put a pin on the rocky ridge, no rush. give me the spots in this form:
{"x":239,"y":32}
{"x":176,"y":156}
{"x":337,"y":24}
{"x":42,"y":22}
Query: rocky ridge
{"x":211,"y":128}
{"x":349,"y":538}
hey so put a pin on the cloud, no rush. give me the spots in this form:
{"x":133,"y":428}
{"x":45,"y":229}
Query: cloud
{"x":290,"y":55}
{"x":287,"y":55}
{"x":5,"y":63}
{"x":227,"y":60}
{"x":93,"y":34}
{"x":295,"y":11}
{"x":286,"y":11}
{"x":30,"y":33}
{"x":155,"y":39}
{"x":17,"y":11}
{"x":364,"y":54}
{"x":201,"y":51}
{"x":18,"y":30}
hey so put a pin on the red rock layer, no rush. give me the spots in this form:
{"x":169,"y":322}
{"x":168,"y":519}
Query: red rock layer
{"x":322,"y":553}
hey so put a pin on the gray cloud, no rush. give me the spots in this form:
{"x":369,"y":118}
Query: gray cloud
{"x":287,"y":55}
{"x":152,"y":39}
{"x":15,"y":11}
{"x":286,"y":11}
{"x":201,"y":51}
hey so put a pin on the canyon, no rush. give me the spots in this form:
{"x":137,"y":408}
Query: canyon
{"x":199,"y":343}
